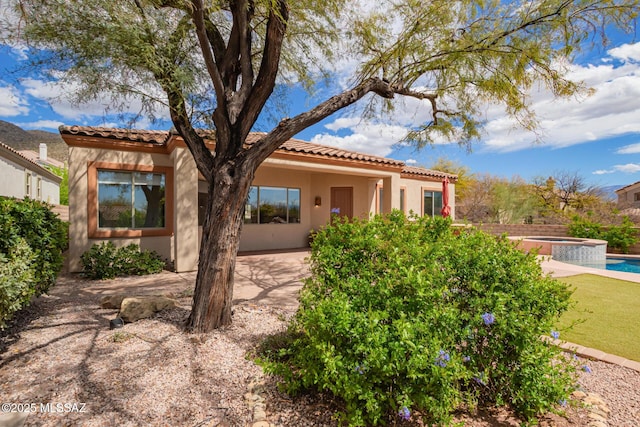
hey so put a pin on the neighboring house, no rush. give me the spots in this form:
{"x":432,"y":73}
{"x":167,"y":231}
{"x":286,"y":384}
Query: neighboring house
{"x":22,"y":178}
{"x":41,"y":157}
{"x":137,"y":186}
{"x":629,"y":196}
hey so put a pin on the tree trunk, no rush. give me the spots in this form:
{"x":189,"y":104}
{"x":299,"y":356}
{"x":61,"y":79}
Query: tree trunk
{"x":213,"y":295}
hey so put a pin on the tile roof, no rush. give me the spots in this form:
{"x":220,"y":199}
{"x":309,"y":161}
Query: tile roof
{"x":158,"y":137}
{"x":413,"y":170}
{"x":299,"y":146}
{"x":292,"y":145}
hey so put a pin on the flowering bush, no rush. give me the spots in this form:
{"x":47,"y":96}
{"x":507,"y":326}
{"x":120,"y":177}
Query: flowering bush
{"x":404,"y":319}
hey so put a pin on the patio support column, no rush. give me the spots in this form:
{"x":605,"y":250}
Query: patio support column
{"x":391,"y":193}
{"x":185,"y":239}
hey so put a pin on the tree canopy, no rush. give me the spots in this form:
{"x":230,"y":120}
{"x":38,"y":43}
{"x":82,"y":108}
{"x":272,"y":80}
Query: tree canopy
{"x":456,"y":55}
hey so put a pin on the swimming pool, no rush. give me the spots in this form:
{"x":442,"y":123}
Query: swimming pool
{"x":628,"y":265}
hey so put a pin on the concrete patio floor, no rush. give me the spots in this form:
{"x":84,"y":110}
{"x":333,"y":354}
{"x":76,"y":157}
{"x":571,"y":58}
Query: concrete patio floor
{"x":272,"y":279}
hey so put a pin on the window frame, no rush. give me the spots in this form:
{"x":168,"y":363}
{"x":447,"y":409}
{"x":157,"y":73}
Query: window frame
{"x":28,"y":183}
{"x":436,"y":212}
{"x":258,"y":200}
{"x":96,"y":232}
{"x":39,"y":188}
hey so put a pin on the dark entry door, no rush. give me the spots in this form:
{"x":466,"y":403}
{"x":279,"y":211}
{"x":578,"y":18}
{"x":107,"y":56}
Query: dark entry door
{"x":342,"y":201}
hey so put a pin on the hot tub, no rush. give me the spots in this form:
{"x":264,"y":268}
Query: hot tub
{"x":565,"y":249}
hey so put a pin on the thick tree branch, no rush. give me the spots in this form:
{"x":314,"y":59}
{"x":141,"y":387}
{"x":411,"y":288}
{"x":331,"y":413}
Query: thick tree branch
{"x":238,"y":96}
{"x":266,"y":79}
{"x":259,"y":151}
{"x":206,"y":49}
{"x":201,"y":154}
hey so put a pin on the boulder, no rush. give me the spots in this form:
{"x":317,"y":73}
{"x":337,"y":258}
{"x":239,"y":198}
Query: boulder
{"x":112,"y":301}
{"x":136,"y":308}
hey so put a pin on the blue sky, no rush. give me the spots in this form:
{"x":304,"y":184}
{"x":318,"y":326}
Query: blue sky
{"x":596,"y":136}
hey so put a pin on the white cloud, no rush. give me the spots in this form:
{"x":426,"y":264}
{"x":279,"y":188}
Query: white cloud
{"x":629,"y":149}
{"x":612,"y":111}
{"x":55,"y":94}
{"x":626,"y":52}
{"x":41,"y":124}
{"x":377,"y":139}
{"x":12,"y":103}
{"x":411,"y":161}
{"x":628,"y":168}
{"x":602,"y":172}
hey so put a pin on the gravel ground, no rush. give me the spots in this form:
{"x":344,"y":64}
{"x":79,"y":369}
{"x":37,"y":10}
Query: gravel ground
{"x":150,"y":373}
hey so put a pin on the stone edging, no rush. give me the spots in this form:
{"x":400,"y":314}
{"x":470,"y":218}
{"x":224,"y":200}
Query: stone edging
{"x":256,"y":404}
{"x":598,"y":410}
{"x":592,"y":353}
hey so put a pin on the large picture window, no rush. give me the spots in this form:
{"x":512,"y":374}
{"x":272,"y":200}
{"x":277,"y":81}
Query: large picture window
{"x":131,"y":199}
{"x":272,"y":205}
{"x":432,"y":204}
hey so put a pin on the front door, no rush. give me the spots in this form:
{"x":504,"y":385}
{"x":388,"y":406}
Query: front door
{"x":342,"y":201}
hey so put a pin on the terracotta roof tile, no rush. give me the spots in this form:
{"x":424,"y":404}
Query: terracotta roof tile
{"x":150,"y":136}
{"x":412,"y":170}
{"x":292,"y":145}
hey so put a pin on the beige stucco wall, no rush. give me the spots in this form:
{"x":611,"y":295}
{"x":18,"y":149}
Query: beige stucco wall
{"x":363,"y":195}
{"x":186,"y":234}
{"x":626,"y":197}
{"x":79,"y":241}
{"x":414,"y":194}
{"x":313,"y":180}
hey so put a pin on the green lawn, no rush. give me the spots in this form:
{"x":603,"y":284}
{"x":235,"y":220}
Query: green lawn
{"x":610,"y":309}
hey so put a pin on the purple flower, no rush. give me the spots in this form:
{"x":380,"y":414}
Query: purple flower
{"x":488,"y":318}
{"x":359,"y":370}
{"x":335,"y":211}
{"x":575,"y":357}
{"x":466,"y":359}
{"x":555,"y":335}
{"x":480,"y":380}
{"x":442,"y":359}
{"x":404,"y":413}
{"x":563,"y":402}
{"x":586,"y":369}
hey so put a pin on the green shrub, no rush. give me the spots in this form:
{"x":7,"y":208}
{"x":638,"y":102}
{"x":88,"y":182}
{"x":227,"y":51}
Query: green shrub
{"x":105,"y":261}
{"x":405,"y":318}
{"x":41,"y":229}
{"x":620,"y":237}
{"x":17,"y":281}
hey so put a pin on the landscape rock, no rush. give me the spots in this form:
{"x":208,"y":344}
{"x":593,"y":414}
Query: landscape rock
{"x":136,"y":308}
{"x":112,"y":301}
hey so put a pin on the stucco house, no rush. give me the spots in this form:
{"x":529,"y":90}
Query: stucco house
{"x":629,"y":196}
{"x":22,"y":177}
{"x":141,"y":186}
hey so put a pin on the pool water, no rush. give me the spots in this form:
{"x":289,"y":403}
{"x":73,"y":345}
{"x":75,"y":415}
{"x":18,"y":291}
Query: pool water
{"x":623,"y":264}
{"x":627,"y":265}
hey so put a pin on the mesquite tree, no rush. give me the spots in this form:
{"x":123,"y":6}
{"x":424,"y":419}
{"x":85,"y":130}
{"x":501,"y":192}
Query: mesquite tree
{"x":215,"y":64}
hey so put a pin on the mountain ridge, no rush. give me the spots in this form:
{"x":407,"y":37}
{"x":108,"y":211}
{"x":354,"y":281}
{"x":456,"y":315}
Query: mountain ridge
{"x":19,"y":139}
